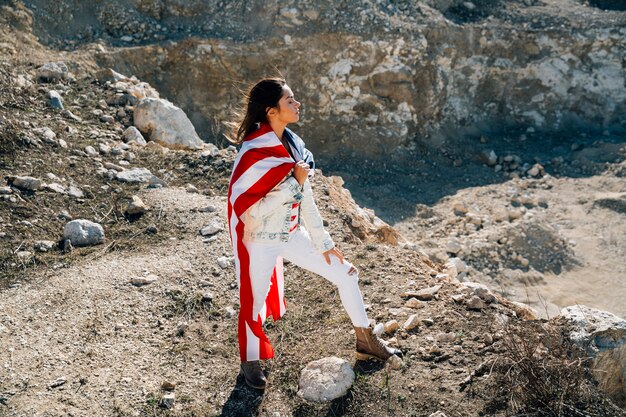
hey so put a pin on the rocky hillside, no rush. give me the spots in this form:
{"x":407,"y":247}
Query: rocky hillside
{"x":375,"y":75}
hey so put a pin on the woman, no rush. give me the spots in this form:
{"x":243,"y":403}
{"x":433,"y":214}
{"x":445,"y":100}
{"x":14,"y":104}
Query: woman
{"x":269,"y":202}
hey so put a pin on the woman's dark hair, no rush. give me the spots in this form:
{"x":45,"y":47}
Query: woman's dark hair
{"x":265,"y":94}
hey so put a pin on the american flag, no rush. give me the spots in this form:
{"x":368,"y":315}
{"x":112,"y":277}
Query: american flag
{"x":261,"y":164}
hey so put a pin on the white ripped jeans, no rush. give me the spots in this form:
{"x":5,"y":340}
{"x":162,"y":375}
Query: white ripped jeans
{"x":299,"y":250}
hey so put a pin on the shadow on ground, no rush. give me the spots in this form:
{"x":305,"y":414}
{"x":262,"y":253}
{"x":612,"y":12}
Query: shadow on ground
{"x":394,"y":186}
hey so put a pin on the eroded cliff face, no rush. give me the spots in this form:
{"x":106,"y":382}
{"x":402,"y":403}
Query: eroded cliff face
{"x":375,"y":78}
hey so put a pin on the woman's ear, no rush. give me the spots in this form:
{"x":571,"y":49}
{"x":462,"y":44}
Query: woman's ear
{"x":270,"y":111}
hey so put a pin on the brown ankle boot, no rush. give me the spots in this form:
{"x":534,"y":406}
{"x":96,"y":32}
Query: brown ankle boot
{"x":369,"y":346}
{"x":253,"y":374}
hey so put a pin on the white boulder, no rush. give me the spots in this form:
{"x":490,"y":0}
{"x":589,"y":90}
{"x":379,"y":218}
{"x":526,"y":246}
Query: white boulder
{"x":83,"y":233}
{"x":326,"y":379}
{"x":165,"y":123}
{"x":603,"y":336}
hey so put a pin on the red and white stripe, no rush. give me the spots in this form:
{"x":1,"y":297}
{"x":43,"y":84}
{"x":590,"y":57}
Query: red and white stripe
{"x":261,"y":164}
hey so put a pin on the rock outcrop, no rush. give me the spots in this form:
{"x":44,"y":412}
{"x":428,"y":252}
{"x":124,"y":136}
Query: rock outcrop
{"x":603,"y":336}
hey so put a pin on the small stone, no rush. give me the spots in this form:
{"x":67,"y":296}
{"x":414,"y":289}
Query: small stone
{"x":56,"y":101}
{"x":136,"y":206}
{"x":133,"y":135}
{"x":105,"y":118}
{"x":459,"y":209}
{"x":427,"y":294}
{"x":394,"y":362}
{"x":104,"y":149}
{"x":44,"y":245}
{"x":83,"y":233}
{"x":190,"y":188}
{"x":24,"y":255}
{"x":181,"y":329}
{"x":411,"y":323}
{"x":453,"y":246}
{"x":168,"y":386}
{"x":208,"y":209}
{"x":135,"y":175}
{"x":428,"y":322}
{"x":58,"y":382}
{"x":26,"y":183}
{"x":168,"y":399}
{"x":207,"y":297}
{"x":475,"y":303}
{"x":438,"y":414}
{"x":69,"y":115}
{"x":152,"y":229}
{"x":488,"y":339}
{"x":445,"y":337}
{"x":391,"y":326}
{"x":489,"y":157}
{"x":326,"y":379}
{"x":147,"y":280}
{"x":230,"y":312}
{"x":214,"y":227}
{"x":223,"y":262}
{"x":379,"y":329}
{"x":53,"y":72}
{"x":75,"y":192}
{"x":414,"y":303}
{"x":91,"y":151}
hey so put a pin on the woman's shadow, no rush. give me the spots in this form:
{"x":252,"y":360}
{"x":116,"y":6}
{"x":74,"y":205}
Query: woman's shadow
{"x":243,"y":400}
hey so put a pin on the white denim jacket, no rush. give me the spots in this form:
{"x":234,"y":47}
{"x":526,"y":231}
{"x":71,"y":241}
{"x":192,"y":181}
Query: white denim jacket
{"x":269,"y":219}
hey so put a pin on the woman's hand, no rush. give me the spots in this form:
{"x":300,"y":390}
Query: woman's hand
{"x":301,"y":171}
{"x":339,"y":255}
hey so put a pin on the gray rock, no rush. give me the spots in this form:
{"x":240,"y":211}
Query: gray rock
{"x":109,"y":75}
{"x":55,"y":187}
{"x":379,"y":329}
{"x":53,"y":72}
{"x":168,"y":399}
{"x":414,"y":303}
{"x":105,"y":118}
{"x":91,"y":151}
{"x":26,"y":183}
{"x":427,"y":293}
{"x":223,"y":262}
{"x":326,"y":379}
{"x":133,"y":135}
{"x":453,"y":246}
{"x":135,"y":175}
{"x":69,"y":115}
{"x":165,"y":123}
{"x":136,"y":206}
{"x":44,"y":245}
{"x":141,"y":281}
{"x":56,"y":101}
{"x":412,"y":322}
{"x":489,"y":158}
{"x":603,"y":336}
{"x":83,"y":232}
{"x":6,"y":190}
{"x":214,"y":227}
{"x":475,"y":303}
{"x":75,"y":192}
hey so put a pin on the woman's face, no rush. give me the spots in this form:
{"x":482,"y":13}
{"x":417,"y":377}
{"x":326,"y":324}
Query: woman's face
{"x":288,"y":107}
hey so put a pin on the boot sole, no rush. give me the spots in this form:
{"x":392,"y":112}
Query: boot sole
{"x":367,"y":356}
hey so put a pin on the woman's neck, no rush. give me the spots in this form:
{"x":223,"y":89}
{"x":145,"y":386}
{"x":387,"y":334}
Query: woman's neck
{"x":278,"y":128}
